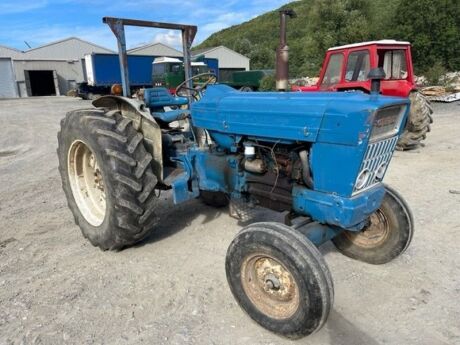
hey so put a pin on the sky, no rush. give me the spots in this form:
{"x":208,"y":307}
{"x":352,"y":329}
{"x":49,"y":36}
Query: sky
{"x":43,"y":21}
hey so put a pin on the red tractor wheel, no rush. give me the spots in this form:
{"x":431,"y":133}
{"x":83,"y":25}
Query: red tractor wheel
{"x":418,"y":123}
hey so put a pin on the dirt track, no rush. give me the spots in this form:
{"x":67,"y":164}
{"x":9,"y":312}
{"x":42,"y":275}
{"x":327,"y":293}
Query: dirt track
{"x":55,"y":288}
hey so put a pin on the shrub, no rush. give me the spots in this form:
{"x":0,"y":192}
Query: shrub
{"x":268,"y":83}
{"x":435,"y":73}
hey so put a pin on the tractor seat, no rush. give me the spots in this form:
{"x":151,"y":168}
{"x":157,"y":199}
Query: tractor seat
{"x":159,"y":97}
{"x":171,"y":115}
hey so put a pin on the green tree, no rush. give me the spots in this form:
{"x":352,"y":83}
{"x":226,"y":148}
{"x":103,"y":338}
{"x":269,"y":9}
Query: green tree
{"x":262,"y":57}
{"x":433,"y":28}
{"x":242,"y":46}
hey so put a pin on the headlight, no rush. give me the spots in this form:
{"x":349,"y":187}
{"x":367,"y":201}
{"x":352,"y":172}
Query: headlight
{"x":387,"y":122}
{"x":362,"y":179}
{"x":380,"y":172}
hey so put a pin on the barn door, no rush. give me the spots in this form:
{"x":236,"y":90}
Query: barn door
{"x":56,"y":83}
{"x":28,"y":85}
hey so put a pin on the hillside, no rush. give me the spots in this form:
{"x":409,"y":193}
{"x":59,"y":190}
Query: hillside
{"x":433,"y":27}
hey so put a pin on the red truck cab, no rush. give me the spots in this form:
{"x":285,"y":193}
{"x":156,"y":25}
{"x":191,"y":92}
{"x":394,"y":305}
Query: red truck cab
{"x":346,"y":68}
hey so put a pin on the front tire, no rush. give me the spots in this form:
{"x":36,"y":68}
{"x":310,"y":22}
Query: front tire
{"x":387,"y":236}
{"x":280,"y":279}
{"x":106,"y":177}
{"x":418,"y":123}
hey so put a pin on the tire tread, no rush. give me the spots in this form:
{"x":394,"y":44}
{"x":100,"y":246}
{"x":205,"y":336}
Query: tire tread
{"x":127,"y":164}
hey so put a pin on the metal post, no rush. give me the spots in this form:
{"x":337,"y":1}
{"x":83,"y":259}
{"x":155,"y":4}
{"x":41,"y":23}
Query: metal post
{"x":186,"y":47}
{"x":119,"y":31}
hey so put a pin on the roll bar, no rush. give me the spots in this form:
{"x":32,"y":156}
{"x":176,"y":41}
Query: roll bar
{"x":117,"y":25}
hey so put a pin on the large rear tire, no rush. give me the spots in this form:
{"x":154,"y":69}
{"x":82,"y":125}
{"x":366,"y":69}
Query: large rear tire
{"x":280,"y":279}
{"x":418,"y":123}
{"x":107,"y":177}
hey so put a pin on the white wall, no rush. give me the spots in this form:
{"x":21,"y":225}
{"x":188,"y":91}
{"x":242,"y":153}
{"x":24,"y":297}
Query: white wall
{"x":8,"y":87}
{"x":8,"y":52}
{"x":228,"y":58}
{"x":64,"y":57}
{"x":69,"y":49}
{"x":156,"y":49}
{"x":68,"y":72}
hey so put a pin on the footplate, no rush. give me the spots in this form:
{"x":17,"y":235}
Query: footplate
{"x":241,"y":209}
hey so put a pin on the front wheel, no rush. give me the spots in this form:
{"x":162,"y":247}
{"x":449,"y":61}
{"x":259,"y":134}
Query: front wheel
{"x":387,"y":236}
{"x":280,"y":279}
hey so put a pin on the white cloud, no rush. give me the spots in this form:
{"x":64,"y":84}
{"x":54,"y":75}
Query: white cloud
{"x":10,"y":7}
{"x":100,"y":35}
{"x":171,"y":38}
{"x":208,"y":15}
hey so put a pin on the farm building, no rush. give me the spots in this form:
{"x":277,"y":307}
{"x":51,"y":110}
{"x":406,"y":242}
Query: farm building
{"x":57,"y":67}
{"x":8,"y":87}
{"x":229,"y":60}
{"x":155,"y":49}
{"x":51,"y":69}
{"x":9,"y":52}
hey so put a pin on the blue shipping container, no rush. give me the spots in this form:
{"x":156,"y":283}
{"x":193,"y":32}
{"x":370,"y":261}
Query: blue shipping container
{"x":106,"y":70}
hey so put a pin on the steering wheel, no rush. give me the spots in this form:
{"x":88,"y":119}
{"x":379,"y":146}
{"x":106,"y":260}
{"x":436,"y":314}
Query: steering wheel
{"x":196,"y":92}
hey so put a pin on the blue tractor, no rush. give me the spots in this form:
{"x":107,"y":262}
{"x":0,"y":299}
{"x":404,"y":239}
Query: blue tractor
{"x":320,"y":158}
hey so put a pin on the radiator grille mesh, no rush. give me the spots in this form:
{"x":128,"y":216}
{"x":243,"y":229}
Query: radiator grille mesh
{"x":377,"y":153}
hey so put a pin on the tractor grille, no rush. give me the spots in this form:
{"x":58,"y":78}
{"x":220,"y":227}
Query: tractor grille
{"x":376,"y":160}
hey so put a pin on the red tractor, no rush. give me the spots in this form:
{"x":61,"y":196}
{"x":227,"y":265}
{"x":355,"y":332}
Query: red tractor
{"x":346,"y":68}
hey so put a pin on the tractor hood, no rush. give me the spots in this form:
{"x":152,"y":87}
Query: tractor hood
{"x":330,"y":117}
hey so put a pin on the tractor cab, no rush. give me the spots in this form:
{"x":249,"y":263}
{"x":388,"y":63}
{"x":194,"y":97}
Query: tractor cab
{"x":347,"y":68}
{"x":169,"y":72}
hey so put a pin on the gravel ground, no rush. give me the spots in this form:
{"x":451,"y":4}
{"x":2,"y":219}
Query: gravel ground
{"x":55,"y":288}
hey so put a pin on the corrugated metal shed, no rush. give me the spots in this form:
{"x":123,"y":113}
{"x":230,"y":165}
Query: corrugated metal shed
{"x":8,"y":87}
{"x":68,"y":73}
{"x":9,"y":52}
{"x":72,"y":48}
{"x":57,"y":67}
{"x":228,"y":59}
{"x":54,"y":68}
{"x":156,"y":49}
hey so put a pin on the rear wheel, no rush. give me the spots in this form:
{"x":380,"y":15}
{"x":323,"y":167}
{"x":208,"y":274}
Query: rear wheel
{"x":418,"y":123}
{"x":246,"y":89}
{"x":387,"y":236}
{"x":107,"y":177}
{"x":280,"y":279}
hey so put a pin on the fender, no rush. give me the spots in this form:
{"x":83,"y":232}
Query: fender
{"x":143,"y":121}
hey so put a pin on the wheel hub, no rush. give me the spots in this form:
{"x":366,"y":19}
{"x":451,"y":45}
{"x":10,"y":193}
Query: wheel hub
{"x":374,"y":234}
{"x":272,"y":282}
{"x":86,"y":182}
{"x":270,"y":286}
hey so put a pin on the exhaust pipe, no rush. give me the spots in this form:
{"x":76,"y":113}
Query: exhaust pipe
{"x":282,"y":53}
